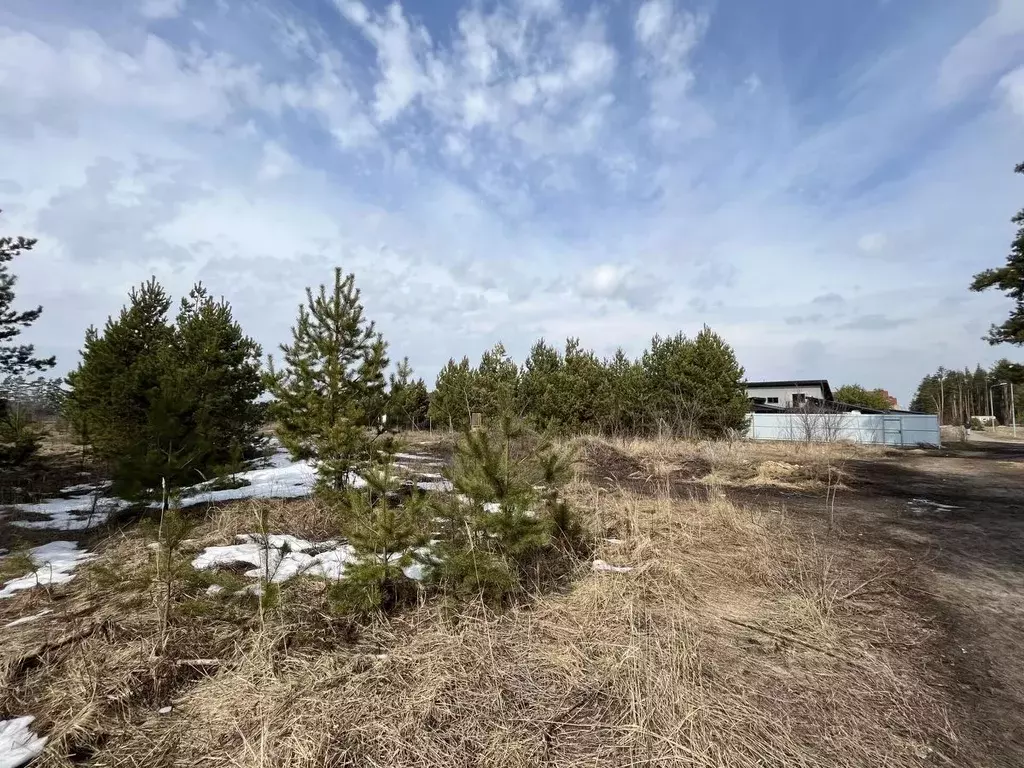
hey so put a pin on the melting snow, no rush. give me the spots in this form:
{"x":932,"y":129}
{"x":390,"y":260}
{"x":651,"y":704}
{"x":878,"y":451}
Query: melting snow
{"x":435,"y":485}
{"x":285,"y":557}
{"x":84,"y":488}
{"x":601,"y":565}
{"x":279,"y":478}
{"x":18,"y":744}
{"x":284,"y":479}
{"x":75,"y":514}
{"x":27,"y":619}
{"x":922,"y":505}
{"x":55,"y":563}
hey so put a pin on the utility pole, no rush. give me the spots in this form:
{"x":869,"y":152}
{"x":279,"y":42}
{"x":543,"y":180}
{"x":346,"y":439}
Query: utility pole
{"x":1013,"y":409}
{"x":991,"y":407}
{"x":942,"y":398}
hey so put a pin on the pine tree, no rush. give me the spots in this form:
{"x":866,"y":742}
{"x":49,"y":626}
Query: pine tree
{"x":496,"y":383}
{"x":387,"y":534}
{"x":16,"y":359}
{"x":717,"y":381}
{"x":454,"y":396}
{"x":331,"y":391}
{"x":623,"y":402}
{"x":121,"y":391}
{"x":220,"y":369}
{"x":673,"y":398}
{"x":539,"y":396}
{"x":695,"y":387}
{"x":408,"y":400}
{"x":167,"y":404}
{"x":505,"y":514}
{"x":1010,"y":280}
{"x":581,"y":381}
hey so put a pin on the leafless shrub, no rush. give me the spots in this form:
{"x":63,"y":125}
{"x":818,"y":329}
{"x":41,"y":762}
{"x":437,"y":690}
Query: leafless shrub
{"x":815,"y":423}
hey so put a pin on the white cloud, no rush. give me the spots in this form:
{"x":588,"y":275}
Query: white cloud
{"x":402,"y":53}
{"x":330,"y":96}
{"x":162,"y":9}
{"x":668,"y":38}
{"x":530,"y":75}
{"x":651,"y":20}
{"x":277,"y":161}
{"x":500,"y":180}
{"x":985,"y":50}
{"x":621,"y":282}
{"x":872,"y":242}
{"x":51,"y":83}
{"x":1012,"y":88}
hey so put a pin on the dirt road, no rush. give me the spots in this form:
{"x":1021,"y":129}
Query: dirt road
{"x":960,"y":515}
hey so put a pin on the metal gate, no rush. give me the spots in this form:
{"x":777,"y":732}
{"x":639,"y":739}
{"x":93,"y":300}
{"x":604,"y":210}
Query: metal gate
{"x":892,"y":430}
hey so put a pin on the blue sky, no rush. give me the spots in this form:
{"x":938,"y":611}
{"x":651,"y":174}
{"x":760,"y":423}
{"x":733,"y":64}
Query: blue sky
{"x":816,"y":181}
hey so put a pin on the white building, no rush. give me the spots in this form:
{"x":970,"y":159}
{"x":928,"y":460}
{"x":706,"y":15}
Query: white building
{"x":788,"y":394}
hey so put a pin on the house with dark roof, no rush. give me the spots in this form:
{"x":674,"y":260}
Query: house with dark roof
{"x":779,"y":395}
{"x":803,"y":395}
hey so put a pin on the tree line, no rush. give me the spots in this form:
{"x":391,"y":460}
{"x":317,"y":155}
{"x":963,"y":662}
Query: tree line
{"x":958,"y":396}
{"x":678,"y":386}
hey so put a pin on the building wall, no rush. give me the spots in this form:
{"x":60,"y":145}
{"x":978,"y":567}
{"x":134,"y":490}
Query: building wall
{"x":784,"y":394}
{"x":903,"y":429}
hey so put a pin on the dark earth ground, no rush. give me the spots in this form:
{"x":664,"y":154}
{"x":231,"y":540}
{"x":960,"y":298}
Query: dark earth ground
{"x":959,"y":558}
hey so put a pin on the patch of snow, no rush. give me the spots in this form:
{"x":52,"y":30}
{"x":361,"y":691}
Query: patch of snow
{"x":414,"y":571}
{"x":55,"y":563}
{"x":493,"y":507}
{"x":85,"y":488}
{"x":419,"y":458}
{"x":286,"y":557}
{"x":75,"y":514}
{"x":290,"y":481}
{"x":164,"y":710}
{"x":278,"y":459}
{"x":436,"y":485}
{"x":601,"y":565}
{"x":27,"y":619}
{"x":18,"y":744}
{"x":281,"y":541}
{"x":284,"y":479}
{"x":922,"y":505}
{"x":214,"y":589}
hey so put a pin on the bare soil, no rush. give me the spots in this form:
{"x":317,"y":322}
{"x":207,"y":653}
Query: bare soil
{"x":952,"y":523}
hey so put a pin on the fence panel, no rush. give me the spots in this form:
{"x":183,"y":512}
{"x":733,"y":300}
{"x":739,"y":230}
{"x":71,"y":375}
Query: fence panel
{"x":902,"y":429}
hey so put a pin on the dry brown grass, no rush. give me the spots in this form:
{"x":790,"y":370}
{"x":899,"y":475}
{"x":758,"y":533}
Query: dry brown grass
{"x":794,"y":465}
{"x":742,"y":637}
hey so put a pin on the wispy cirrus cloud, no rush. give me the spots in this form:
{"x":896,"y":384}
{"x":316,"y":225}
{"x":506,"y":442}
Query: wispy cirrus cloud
{"x":525,"y":168}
